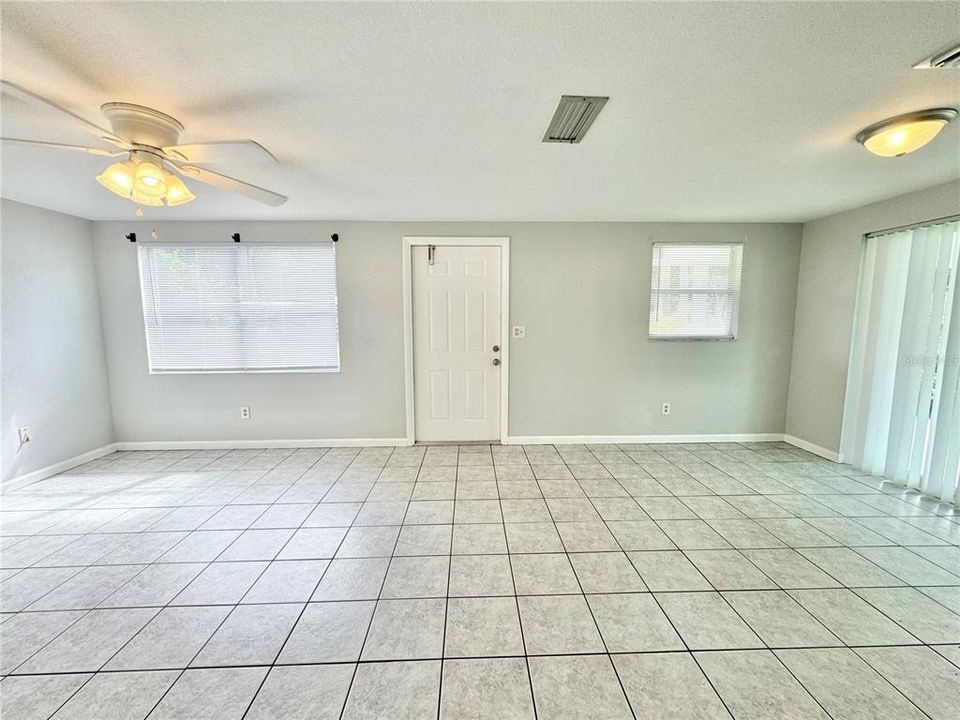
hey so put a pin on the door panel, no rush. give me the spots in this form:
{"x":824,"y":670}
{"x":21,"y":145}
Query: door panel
{"x":439,"y":320}
{"x":474,"y":315}
{"x":475,"y":384}
{"x":456,"y":323}
{"x":440,"y":395}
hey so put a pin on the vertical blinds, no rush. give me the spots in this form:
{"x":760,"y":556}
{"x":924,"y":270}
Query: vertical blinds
{"x":240,"y":307}
{"x":695,"y":291}
{"x":902,"y":417}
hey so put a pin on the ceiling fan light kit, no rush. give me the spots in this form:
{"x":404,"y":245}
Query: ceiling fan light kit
{"x":143,"y":180}
{"x":150,"y":174}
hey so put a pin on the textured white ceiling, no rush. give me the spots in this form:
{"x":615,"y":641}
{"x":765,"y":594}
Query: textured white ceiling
{"x":434,"y":111}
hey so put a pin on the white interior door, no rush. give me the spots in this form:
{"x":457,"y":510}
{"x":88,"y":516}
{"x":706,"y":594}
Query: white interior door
{"x":456,"y":342}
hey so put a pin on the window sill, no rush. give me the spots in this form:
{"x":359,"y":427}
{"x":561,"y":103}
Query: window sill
{"x":654,"y":338}
{"x":301,"y":371}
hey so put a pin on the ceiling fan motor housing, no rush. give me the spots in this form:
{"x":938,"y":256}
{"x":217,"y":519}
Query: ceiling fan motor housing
{"x":142,"y":125}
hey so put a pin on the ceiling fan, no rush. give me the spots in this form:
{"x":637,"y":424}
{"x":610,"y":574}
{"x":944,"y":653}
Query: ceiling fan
{"x":151,"y":173}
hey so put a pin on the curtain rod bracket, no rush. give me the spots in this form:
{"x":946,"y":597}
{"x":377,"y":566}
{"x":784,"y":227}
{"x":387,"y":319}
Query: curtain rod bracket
{"x":236,"y":237}
{"x":132,"y":237}
{"x":335,"y":237}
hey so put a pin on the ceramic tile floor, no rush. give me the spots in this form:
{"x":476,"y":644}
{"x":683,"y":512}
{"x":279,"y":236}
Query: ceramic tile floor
{"x":649,"y":581}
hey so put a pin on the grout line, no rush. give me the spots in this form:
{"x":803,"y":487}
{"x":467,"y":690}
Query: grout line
{"x":659,"y":605}
{"x":376,"y":606}
{"x":446,"y":600}
{"x":888,"y":682}
{"x":513,"y":582}
{"x":735,"y":611}
{"x":306,"y":604}
{"x":710,"y":591}
{"x":583,"y":595}
{"x":437,"y":658}
{"x":228,"y":614}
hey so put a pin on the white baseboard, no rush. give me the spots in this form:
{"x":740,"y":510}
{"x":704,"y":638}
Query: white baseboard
{"x":243,"y":444}
{"x":658,"y":439}
{"x":815,"y":449}
{"x":640,"y":439}
{"x":59,"y":467}
{"x":70,"y":463}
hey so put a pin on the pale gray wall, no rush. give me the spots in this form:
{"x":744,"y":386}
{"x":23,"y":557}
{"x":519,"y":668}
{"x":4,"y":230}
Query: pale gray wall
{"x":364,"y":400}
{"x":54,"y":376}
{"x":586,"y":366}
{"x":829,"y":271}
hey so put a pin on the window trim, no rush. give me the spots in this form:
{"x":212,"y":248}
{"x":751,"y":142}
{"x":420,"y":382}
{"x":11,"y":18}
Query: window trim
{"x":238,"y":371}
{"x":735,"y":293}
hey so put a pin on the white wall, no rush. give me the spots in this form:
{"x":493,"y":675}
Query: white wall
{"x":829,"y":270}
{"x":54,"y":376}
{"x":586,"y":366}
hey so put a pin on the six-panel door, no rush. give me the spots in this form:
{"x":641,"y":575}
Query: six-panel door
{"x":456,"y":325}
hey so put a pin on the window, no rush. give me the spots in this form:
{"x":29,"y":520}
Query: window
{"x":240,"y":307}
{"x":695,"y":291}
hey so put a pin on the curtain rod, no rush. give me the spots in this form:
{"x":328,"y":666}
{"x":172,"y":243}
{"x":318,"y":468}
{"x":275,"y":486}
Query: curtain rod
{"x":913,"y":226}
{"x":235,"y":237}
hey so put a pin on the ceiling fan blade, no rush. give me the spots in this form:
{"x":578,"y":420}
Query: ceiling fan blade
{"x":60,"y":146}
{"x":226,"y":151}
{"x":21,"y":92}
{"x":192,"y":172}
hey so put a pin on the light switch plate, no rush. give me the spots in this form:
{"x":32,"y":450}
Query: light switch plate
{"x":519,"y":331}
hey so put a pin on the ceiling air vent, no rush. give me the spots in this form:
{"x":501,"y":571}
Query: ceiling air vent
{"x":573,"y":117}
{"x":948,"y":59}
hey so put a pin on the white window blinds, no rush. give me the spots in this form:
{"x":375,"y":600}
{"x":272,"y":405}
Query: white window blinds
{"x":240,"y":307}
{"x":902,"y":409}
{"x":695,"y":291}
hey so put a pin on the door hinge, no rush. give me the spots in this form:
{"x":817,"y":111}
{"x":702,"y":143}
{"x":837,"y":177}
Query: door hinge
{"x":431,"y":252}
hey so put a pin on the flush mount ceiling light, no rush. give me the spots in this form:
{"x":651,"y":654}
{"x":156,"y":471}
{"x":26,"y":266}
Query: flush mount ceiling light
{"x":155,"y":160}
{"x":903,"y":134}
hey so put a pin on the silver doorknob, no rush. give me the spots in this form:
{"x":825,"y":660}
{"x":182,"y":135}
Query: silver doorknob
{"x":496,"y":361}
{"x":496,"y":348}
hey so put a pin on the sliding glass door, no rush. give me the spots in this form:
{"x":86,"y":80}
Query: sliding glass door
{"x":902,"y":410}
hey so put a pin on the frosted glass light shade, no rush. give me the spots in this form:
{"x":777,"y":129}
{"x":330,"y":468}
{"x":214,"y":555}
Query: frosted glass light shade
{"x":149,"y":179}
{"x":118,"y":178}
{"x":177,"y":192}
{"x":903,"y":134}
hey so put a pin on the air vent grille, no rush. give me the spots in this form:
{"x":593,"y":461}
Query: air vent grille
{"x":573,"y":117}
{"x":948,"y":59}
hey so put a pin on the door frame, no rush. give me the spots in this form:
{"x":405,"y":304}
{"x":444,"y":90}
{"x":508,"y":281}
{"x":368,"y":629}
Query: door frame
{"x":409,"y":242}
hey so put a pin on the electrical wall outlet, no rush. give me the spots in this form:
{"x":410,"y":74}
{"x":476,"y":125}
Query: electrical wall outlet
{"x":245,"y":412}
{"x":665,"y":409}
{"x":24,"y":433}
{"x":519,"y":331}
